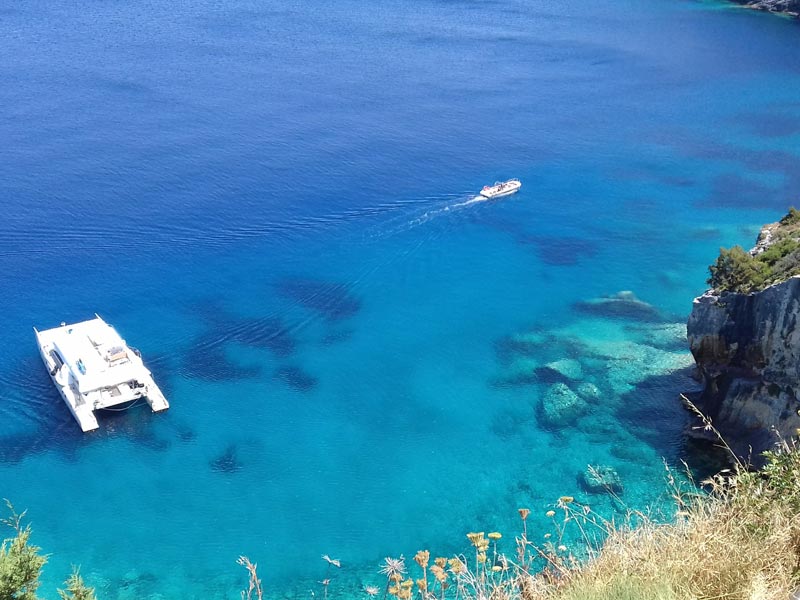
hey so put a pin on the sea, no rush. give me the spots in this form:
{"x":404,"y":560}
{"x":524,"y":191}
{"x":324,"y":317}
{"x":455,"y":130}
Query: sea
{"x":276,"y":202}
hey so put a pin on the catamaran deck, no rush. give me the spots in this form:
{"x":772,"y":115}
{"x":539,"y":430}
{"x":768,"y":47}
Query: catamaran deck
{"x":93,"y":368}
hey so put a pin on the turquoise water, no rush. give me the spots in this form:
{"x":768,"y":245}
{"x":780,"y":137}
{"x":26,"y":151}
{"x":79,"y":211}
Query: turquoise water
{"x":272,"y":201}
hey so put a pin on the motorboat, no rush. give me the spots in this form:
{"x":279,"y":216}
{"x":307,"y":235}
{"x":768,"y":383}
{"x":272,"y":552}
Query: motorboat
{"x":501,"y":188}
{"x":93,"y":368}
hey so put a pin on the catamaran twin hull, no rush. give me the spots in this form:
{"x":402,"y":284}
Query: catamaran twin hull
{"x":93,"y":368}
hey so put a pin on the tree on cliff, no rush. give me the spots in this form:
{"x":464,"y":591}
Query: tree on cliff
{"x":737,"y":271}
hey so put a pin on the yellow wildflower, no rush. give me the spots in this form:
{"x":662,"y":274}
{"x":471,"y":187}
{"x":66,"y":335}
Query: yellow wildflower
{"x":439,"y":573}
{"x":456,"y":566}
{"x":422,"y":558}
{"x":494,"y":535}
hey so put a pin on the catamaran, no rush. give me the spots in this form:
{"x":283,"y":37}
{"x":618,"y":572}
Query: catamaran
{"x":93,"y":368}
{"x":501,"y":188}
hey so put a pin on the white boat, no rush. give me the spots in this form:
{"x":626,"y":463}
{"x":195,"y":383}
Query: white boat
{"x":501,"y":188}
{"x":93,"y":368}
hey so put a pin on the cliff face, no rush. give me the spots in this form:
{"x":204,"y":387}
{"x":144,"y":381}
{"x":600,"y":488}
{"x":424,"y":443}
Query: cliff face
{"x":747,"y":350}
{"x":791,"y":7}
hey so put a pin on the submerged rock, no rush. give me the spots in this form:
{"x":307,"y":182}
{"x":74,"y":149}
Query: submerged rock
{"x":521,"y":371}
{"x":590,"y":392}
{"x":622,"y":305}
{"x":567,"y":367}
{"x":667,"y":336}
{"x":561,"y":407}
{"x":627,"y":363}
{"x":597,"y":479}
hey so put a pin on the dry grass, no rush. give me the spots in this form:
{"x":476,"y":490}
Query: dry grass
{"x":726,"y":545}
{"x":740,"y":541}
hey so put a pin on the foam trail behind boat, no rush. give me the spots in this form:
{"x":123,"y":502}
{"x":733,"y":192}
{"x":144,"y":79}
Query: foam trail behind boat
{"x":432,"y":214}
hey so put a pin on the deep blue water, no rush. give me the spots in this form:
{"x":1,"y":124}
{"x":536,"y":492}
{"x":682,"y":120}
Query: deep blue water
{"x":272,"y":201}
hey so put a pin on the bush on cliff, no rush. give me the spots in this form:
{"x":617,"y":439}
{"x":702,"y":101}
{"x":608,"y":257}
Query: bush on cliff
{"x":737,"y":271}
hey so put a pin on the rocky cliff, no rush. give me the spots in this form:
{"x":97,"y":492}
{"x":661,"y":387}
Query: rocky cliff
{"x":790,"y":7}
{"x":747,"y":350}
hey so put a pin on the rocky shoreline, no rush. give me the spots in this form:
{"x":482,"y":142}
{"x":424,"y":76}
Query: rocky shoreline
{"x":786,"y":7}
{"x":747,"y":350}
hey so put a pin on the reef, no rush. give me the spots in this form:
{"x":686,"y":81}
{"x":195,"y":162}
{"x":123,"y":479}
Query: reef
{"x":622,"y":305}
{"x":788,"y":7}
{"x":747,"y":349}
{"x":597,"y":479}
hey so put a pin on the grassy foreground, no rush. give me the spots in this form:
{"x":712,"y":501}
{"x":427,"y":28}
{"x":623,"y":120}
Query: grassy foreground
{"x":740,"y":540}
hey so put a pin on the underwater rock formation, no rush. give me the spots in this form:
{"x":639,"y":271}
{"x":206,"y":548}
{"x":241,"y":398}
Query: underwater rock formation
{"x":568,"y":368}
{"x":597,"y":479}
{"x":561,"y":407}
{"x":590,"y":392}
{"x":622,"y":305}
{"x":747,"y":350}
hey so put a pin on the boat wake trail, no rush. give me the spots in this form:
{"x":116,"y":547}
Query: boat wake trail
{"x":437,"y":212}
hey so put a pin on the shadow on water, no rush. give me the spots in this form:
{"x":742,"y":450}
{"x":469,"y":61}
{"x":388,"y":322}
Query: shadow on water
{"x":332,"y":301}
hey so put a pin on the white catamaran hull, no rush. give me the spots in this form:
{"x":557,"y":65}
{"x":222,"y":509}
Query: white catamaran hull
{"x":134,"y":381}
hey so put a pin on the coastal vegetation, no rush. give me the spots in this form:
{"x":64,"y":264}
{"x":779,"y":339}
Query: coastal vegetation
{"x":21,"y":565}
{"x":775,"y":259}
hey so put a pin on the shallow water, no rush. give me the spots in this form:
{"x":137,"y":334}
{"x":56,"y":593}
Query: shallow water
{"x":272,"y":201}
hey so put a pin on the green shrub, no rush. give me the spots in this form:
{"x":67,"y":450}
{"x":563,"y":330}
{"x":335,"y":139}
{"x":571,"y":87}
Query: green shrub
{"x":737,"y":271}
{"x":20,"y":562}
{"x":778,"y":251}
{"x":792,"y":217}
